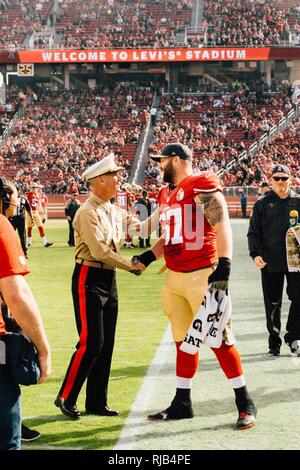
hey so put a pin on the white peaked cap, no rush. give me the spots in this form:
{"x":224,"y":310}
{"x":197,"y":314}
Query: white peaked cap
{"x":106,"y":165}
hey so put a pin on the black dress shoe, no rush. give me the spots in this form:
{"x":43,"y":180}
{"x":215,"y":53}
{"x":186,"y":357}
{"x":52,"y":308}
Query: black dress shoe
{"x":106,"y":411}
{"x":274,"y":351}
{"x":68,"y":410}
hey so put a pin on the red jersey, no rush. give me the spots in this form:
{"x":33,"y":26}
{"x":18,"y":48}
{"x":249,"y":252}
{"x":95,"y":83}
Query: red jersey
{"x":12,"y":259}
{"x":34,"y":200}
{"x":121,"y":200}
{"x":190,"y":241}
{"x":44,"y":201}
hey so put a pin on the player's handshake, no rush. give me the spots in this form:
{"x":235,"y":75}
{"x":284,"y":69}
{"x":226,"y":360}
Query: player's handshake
{"x":137,"y":266}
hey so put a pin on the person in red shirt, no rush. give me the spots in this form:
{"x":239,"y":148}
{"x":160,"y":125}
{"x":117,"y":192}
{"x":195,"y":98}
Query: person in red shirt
{"x":22,"y":305}
{"x":196,"y":243}
{"x":38,"y":215}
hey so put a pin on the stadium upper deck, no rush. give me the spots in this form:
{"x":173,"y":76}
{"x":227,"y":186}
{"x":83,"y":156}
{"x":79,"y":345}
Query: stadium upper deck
{"x":78,"y":24}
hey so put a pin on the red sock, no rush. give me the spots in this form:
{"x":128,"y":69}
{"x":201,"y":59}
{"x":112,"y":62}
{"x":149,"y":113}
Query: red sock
{"x":186,"y":364}
{"x":42,"y":231}
{"x":229,"y":360}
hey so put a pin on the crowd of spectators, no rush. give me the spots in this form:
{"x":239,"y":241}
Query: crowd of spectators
{"x":19,"y":18}
{"x":250,"y":23}
{"x":150,"y":23}
{"x":122,"y":23}
{"x":218,"y":127}
{"x":284,"y":149}
{"x":64,"y":132}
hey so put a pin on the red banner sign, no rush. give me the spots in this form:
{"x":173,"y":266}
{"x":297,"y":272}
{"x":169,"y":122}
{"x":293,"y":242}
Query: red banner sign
{"x":142,"y":55}
{"x":207,"y":54}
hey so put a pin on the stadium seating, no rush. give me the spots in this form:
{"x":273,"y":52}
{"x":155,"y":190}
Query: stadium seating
{"x":119,"y":23}
{"x":63,"y":132}
{"x":283,"y":149}
{"x":19,"y":18}
{"x":217,"y":127}
{"x":240,"y":23}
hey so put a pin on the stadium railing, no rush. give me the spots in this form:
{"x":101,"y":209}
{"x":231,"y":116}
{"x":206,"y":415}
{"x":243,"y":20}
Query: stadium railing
{"x":265,"y":138}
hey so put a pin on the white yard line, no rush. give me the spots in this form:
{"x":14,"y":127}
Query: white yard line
{"x":138,"y":413}
{"x":31,"y":446}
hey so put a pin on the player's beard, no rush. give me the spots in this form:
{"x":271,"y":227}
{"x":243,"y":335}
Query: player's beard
{"x":169,"y":173}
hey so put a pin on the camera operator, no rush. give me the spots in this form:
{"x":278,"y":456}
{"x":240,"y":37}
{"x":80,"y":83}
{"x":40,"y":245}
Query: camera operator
{"x":22,"y":305}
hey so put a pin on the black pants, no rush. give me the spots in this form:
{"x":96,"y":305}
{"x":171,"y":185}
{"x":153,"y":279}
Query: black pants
{"x":142,"y":242}
{"x":95,"y":301}
{"x":272,"y":284}
{"x":244,"y":211}
{"x":71,"y":234}
{"x":18,"y":223}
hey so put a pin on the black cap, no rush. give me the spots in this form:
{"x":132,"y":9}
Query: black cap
{"x":281,"y":169}
{"x":174,"y":150}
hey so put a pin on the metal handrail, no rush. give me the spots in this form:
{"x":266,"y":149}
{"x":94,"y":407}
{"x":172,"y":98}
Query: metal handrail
{"x":264,"y":139}
{"x":18,"y":115}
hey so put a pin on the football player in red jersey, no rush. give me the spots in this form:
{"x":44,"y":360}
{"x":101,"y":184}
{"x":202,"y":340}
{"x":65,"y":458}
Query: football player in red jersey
{"x":39,"y":217}
{"x":197,"y":246}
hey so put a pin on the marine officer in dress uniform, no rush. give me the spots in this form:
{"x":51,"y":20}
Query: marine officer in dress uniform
{"x":98,"y":231}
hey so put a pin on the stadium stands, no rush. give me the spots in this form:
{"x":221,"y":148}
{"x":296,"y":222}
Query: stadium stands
{"x":119,"y":23}
{"x":247,"y":23}
{"x":63,"y":132}
{"x":217,"y":127}
{"x":20,"y":18}
{"x":149,"y":23}
{"x":285,"y":148}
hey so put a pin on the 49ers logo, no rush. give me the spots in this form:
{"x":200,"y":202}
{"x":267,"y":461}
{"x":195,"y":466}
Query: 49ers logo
{"x":180,"y":195}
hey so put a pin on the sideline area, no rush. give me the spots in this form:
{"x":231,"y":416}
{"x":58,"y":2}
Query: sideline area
{"x":273,"y":382}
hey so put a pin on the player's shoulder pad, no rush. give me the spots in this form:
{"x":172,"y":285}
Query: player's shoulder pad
{"x":206,"y":182}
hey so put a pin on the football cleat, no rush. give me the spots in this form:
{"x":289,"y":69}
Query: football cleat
{"x":183,"y":410}
{"x":247,"y":418}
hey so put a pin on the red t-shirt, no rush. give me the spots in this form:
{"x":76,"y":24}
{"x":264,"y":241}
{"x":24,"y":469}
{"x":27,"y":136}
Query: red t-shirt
{"x":190,"y":241}
{"x":12,"y":259}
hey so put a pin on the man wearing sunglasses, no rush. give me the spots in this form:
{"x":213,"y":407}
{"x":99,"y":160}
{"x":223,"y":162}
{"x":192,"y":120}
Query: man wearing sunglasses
{"x":269,"y":223}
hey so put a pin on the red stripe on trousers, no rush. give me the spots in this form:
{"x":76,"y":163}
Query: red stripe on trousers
{"x":83,"y":335}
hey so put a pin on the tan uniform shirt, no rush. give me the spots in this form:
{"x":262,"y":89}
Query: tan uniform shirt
{"x":98,"y":233}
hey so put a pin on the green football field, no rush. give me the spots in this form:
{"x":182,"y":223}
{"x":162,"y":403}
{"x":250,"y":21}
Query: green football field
{"x":273,"y":382}
{"x":139,"y":331}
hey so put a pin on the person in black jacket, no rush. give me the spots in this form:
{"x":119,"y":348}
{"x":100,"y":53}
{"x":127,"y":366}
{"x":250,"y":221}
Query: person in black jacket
{"x":71,"y":208}
{"x":269,"y":223}
{"x":18,"y":221}
{"x":143,"y":207}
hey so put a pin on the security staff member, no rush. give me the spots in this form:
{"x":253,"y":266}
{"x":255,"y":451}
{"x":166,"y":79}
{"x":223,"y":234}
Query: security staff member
{"x":144,"y":208}
{"x":71,"y":208}
{"x":18,"y":220}
{"x":98,"y":231}
{"x":267,"y":246}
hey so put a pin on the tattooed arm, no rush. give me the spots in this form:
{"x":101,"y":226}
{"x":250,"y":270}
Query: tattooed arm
{"x":216,"y":213}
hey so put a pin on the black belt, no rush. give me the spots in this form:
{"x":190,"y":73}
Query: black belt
{"x":95,"y":264}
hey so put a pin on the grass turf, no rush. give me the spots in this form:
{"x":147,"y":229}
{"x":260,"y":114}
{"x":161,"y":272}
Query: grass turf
{"x":139,"y":330}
